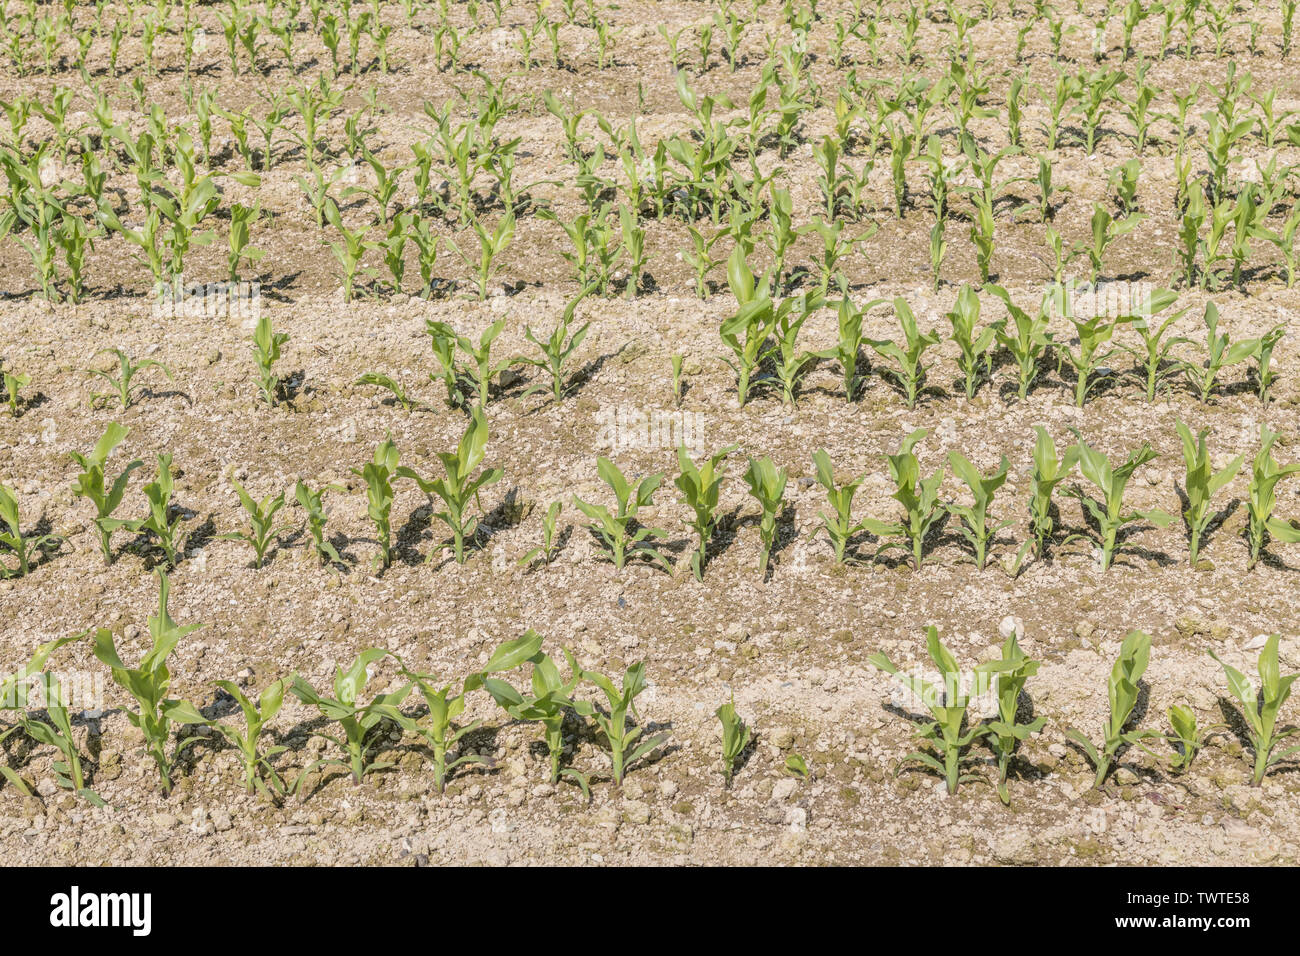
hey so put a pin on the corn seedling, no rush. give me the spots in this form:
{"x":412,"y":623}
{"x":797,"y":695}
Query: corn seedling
{"x":557,"y":349}
{"x":1122,"y":691}
{"x":1108,"y":513}
{"x":1026,"y":338}
{"x":459,"y":487}
{"x":378,"y":475}
{"x":550,"y":702}
{"x":1265,"y":474}
{"x":699,"y":486}
{"x":620,"y":533}
{"x":241,"y":221}
{"x":1093,"y":334}
{"x":549,"y":544}
{"x":262,"y":530}
{"x":491,"y":246}
{"x":918,"y":496}
{"x":1200,"y":484}
{"x":91,"y":484}
{"x":1221,"y":353}
{"x":148,"y":683}
{"x":1186,"y":738}
{"x":910,"y":373}
{"x":614,"y":724}
{"x":476,"y":376}
{"x":312,"y":502}
{"x":266,"y":347}
{"x":359,"y":722}
{"x":1155,"y":358}
{"x":24,"y":548}
{"x":975,"y":344}
{"x":438,"y":731}
{"x":975,"y":517}
{"x":767,"y":487}
{"x":1048,"y":472}
{"x":14,"y":382}
{"x":736,"y":736}
{"x":1261,"y":708}
{"x":848,"y":345}
{"x":947,"y":703}
{"x":1005,"y":733}
{"x":395,"y":388}
{"x":840,"y":527}
{"x":123,"y":388}
{"x":55,"y":732}
{"x":259,"y":774}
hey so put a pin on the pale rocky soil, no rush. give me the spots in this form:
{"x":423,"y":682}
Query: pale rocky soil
{"x":793,"y":649}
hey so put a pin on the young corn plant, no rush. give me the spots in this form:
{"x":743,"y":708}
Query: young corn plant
{"x":1156,"y":360}
{"x":1026,"y":339}
{"x":313,"y":503}
{"x":392,"y":386}
{"x":767,"y":487}
{"x":491,"y":246}
{"x":549,"y":704}
{"x":699,"y":485}
{"x":839,"y":525}
{"x":975,"y":344}
{"x":748,"y":332}
{"x":1261,"y":708}
{"x":378,"y":475}
{"x":546,"y":550}
{"x":1048,"y":472}
{"x":266,"y":347}
{"x":736,"y":737}
{"x":15,"y":695}
{"x":241,"y":222}
{"x":1093,"y":334}
{"x":910,"y":373}
{"x":977,"y":527}
{"x":947,"y":734}
{"x":159,"y":521}
{"x":1105,"y":229}
{"x":1108,"y":512}
{"x":123,"y":388}
{"x":460,"y":488}
{"x":556,"y":350}
{"x":1263,"y":356}
{"x":791,"y":363}
{"x":1221,"y":353}
{"x":1186,"y":738}
{"x":259,"y":773}
{"x":1200,"y":485}
{"x":148,"y":683}
{"x":262,"y":530}
{"x":14,"y":382}
{"x":438,"y":731}
{"x":1005,"y":733}
{"x":622,"y":536}
{"x":91,"y":484}
{"x":359,"y":722}
{"x":1265,"y":474}
{"x":626,"y":744}
{"x":477,"y":376}
{"x":919,"y":497}
{"x":24,"y":548}
{"x":1122,"y":691}
{"x":848,"y":346}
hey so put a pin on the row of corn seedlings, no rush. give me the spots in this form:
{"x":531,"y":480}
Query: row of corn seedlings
{"x":1109,"y":521}
{"x":707,"y":174}
{"x":987,"y":706}
{"x":982,"y":706}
